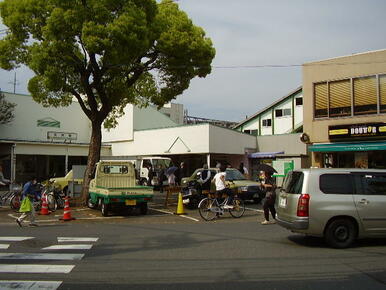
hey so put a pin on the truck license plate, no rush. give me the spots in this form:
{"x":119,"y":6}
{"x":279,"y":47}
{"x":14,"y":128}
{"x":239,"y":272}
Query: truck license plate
{"x":131,"y":202}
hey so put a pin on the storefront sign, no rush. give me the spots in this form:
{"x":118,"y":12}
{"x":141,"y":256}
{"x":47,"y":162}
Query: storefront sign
{"x":357,"y":131}
{"x":282,"y":167}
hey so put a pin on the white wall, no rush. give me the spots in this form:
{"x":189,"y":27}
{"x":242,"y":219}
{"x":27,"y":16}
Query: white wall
{"x":266,"y":130}
{"x":283,"y":124}
{"x":194,"y":139}
{"x":124,"y":130}
{"x":27,"y":113}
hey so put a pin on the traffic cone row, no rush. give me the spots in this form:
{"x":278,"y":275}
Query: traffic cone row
{"x":44,"y":210}
{"x":67,"y":212}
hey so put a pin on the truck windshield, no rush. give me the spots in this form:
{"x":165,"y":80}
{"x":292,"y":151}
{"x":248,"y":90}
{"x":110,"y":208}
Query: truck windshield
{"x":234,"y":175}
{"x":115,"y":169}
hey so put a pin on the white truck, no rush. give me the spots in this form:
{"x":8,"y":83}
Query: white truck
{"x":115,"y":186}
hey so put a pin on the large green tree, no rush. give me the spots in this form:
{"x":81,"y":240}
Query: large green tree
{"x":6,"y":110}
{"x":104,"y":53}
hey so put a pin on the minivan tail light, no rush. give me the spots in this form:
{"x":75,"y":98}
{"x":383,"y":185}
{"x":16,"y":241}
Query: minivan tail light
{"x":303,"y":205}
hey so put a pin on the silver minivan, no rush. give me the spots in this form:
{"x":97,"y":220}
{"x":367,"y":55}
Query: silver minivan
{"x":338,"y":204}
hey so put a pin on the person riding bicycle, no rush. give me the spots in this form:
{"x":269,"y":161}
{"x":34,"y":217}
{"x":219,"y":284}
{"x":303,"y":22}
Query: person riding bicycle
{"x":221,"y":187}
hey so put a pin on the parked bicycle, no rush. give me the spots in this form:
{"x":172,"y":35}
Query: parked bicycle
{"x":12,"y":196}
{"x":210,"y":208}
{"x":15,"y":200}
{"x":55,"y":197}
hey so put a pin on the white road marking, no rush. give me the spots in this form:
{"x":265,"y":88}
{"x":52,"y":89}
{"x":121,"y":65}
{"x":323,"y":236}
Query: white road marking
{"x":254,"y":209}
{"x":15,"y":239}
{"x":68,"y":247}
{"x":182,"y":215}
{"x":30,"y":285}
{"x":4,"y":246}
{"x":73,"y":239}
{"x":29,"y":268}
{"x":40,"y":256}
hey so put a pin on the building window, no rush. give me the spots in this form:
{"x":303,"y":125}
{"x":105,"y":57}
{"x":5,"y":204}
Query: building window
{"x":287,"y":112}
{"x":320,"y":93}
{"x":299,"y":101}
{"x":340,"y":98}
{"x":251,"y":132}
{"x":267,"y":123}
{"x":382,"y":93}
{"x":365,"y":95}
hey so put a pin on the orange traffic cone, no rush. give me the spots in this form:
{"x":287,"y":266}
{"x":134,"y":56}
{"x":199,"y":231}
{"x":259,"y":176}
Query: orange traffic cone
{"x":67,"y":212}
{"x":44,"y":209}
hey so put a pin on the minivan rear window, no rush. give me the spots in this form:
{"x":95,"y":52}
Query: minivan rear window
{"x":293,"y":183}
{"x":336,"y":184}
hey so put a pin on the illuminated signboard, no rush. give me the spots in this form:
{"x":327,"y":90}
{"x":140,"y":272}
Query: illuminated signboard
{"x":357,"y":131}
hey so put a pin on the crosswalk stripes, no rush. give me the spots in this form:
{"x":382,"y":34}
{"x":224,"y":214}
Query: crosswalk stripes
{"x":40,"y":256}
{"x":73,"y":239}
{"x":46,"y":285}
{"x":68,"y":247}
{"x":41,"y":268}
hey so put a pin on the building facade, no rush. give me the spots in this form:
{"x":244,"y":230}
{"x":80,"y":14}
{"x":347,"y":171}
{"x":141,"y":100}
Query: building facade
{"x":278,"y":130}
{"x":345,"y":110}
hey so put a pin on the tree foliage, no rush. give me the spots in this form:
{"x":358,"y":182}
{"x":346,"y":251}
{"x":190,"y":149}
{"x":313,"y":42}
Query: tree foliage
{"x":6,"y":110}
{"x":105,"y":53}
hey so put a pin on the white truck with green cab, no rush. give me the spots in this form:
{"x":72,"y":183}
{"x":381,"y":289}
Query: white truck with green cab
{"x":114,"y":186}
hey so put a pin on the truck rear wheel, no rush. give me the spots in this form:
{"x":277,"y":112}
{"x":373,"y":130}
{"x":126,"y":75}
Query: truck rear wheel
{"x":143,"y":208}
{"x":105,"y":208}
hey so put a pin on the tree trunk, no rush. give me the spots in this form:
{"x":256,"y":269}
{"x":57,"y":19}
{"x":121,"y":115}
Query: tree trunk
{"x":93,"y":157}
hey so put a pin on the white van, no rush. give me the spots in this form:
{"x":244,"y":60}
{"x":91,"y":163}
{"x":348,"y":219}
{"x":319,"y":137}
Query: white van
{"x":340,"y":205}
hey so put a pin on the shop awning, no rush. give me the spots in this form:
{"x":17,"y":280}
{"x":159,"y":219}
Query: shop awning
{"x":264,"y":154}
{"x":334,"y":147}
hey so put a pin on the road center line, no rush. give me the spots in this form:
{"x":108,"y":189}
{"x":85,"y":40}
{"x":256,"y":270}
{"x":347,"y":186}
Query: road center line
{"x":4,"y":246}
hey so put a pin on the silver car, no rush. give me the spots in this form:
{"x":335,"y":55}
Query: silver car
{"x":340,"y":205}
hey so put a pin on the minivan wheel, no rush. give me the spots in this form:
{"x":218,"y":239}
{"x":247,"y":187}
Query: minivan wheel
{"x":340,"y":233}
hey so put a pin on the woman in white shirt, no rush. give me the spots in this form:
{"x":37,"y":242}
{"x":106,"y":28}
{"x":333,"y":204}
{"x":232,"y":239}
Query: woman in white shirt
{"x":221,"y":188}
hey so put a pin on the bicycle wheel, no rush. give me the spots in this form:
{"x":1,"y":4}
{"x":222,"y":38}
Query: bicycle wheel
{"x":15,"y":202}
{"x":51,"y":202}
{"x":208,"y":209}
{"x":238,"y":208}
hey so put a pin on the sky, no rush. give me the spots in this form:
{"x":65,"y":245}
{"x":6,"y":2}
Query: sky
{"x":260,"y":47}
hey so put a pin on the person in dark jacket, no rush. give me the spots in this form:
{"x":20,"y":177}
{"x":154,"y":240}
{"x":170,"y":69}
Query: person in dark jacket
{"x":270,"y":196}
{"x":205,"y":178}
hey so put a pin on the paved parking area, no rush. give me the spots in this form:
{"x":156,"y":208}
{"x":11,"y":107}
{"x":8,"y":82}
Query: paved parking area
{"x":157,"y":213}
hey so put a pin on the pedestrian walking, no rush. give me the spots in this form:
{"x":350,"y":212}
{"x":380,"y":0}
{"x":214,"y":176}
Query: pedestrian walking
{"x":161,"y":177}
{"x":29,"y":194}
{"x":243,"y":169}
{"x":269,"y":187}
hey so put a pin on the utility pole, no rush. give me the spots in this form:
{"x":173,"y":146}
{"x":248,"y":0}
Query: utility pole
{"x":14,"y":83}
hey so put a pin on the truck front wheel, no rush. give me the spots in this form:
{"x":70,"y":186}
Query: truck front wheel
{"x":105,"y":209}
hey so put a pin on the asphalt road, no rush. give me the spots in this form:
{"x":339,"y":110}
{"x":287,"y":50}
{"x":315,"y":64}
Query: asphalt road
{"x":150,"y":253}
